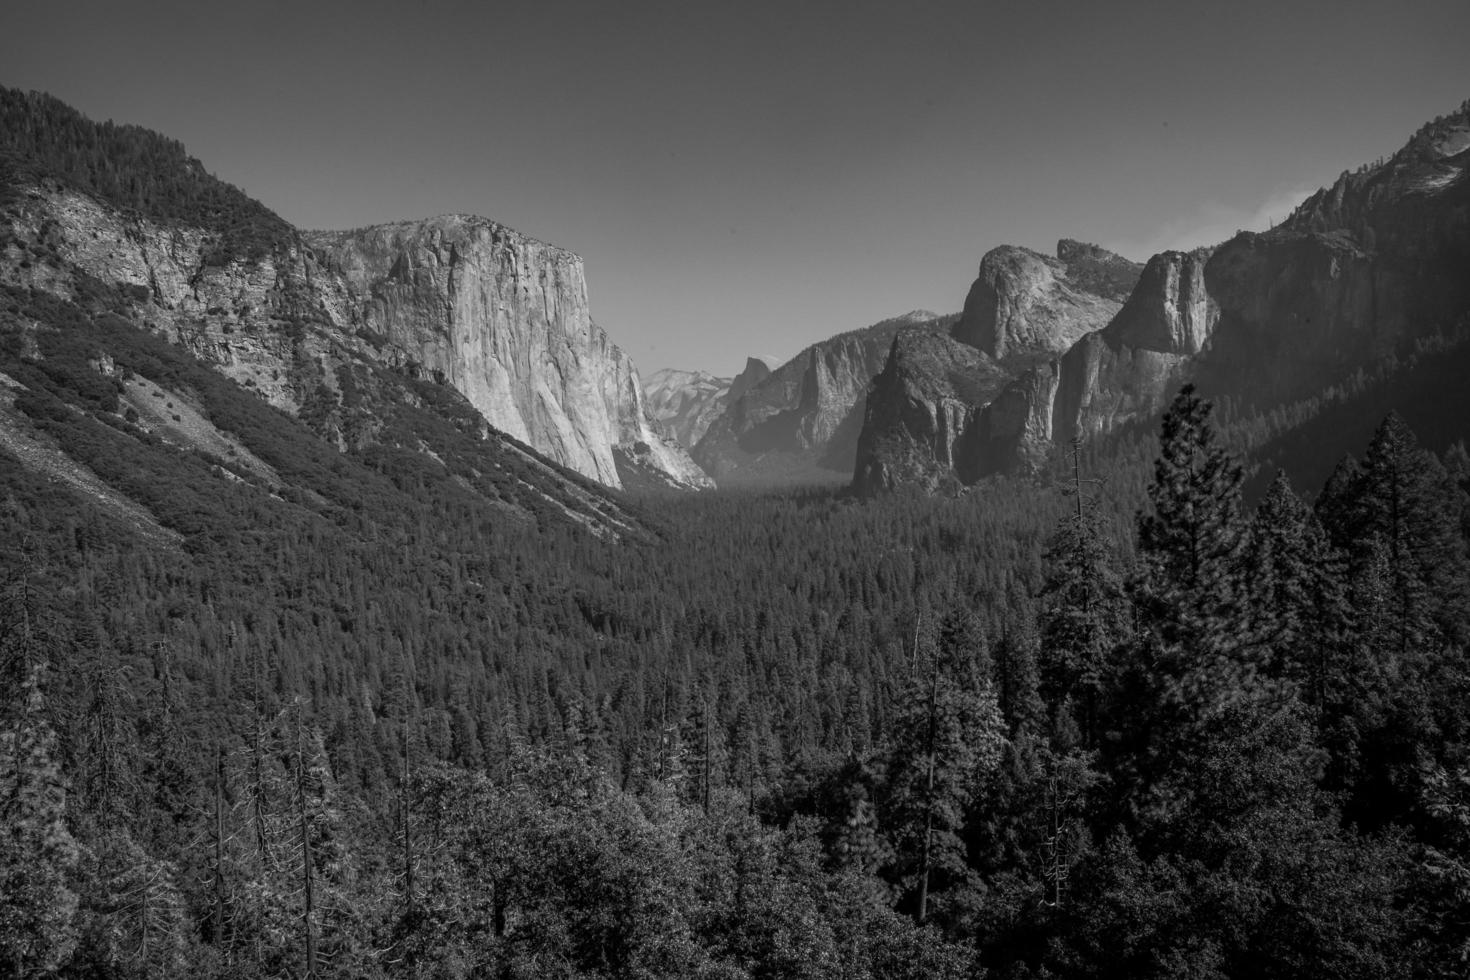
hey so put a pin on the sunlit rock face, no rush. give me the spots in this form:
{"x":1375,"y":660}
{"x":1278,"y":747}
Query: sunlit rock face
{"x":504,"y":318}
{"x":501,"y":317}
{"x":945,"y":412}
{"x":270,"y":324}
{"x":684,"y":404}
{"x":801,"y":423}
{"x":1024,"y":303}
{"x":1170,"y":309}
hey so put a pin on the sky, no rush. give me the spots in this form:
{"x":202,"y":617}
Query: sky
{"x":752,"y":177}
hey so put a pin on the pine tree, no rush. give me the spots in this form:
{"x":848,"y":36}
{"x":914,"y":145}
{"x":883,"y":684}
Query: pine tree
{"x":948,"y":733}
{"x":1189,"y":592}
{"x":136,"y":918}
{"x":1297,"y":595}
{"x":1404,"y":498}
{"x":1398,"y":517}
{"x":38,"y":855}
{"x":1216,"y":780}
{"x":857,"y":845}
{"x":1081,"y":616}
{"x":1017,"y":676}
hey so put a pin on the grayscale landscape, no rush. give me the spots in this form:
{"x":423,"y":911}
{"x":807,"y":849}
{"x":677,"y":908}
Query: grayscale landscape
{"x":473,"y":503}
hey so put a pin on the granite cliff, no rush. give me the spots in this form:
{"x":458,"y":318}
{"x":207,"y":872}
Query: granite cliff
{"x":499,"y":316}
{"x":801,"y":423}
{"x":684,"y":404}
{"x":920,"y":412}
{"x":1362,"y":267}
{"x":936,"y":414}
{"x":504,"y":319}
{"x":1024,"y":304}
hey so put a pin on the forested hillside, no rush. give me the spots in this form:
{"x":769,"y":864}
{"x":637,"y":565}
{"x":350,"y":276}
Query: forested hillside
{"x":375,"y":690}
{"x":387,"y":718}
{"x":134,"y":169}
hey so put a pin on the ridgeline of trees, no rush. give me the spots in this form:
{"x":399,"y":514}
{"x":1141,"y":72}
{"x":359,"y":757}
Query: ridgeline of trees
{"x":133,"y":169}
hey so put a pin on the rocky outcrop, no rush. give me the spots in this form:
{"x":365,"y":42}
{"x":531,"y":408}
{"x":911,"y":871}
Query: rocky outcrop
{"x":1169,"y":310}
{"x":266,"y":324}
{"x":1024,"y":304}
{"x":684,"y":404}
{"x":504,"y":318}
{"x":501,"y":317}
{"x":919,"y":422}
{"x":1359,"y":269}
{"x":1022,"y":312}
{"x":801,"y":424}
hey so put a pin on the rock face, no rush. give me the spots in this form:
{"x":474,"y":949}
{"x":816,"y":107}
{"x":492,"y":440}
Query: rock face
{"x":801,"y":423}
{"x":1169,"y":310}
{"x":258,"y":322}
{"x":1372,"y":262}
{"x":920,"y":413}
{"x":683,"y":404}
{"x":940,"y":414}
{"x":501,"y":317}
{"x":504,"y":319}
{"x":1025,"y":304}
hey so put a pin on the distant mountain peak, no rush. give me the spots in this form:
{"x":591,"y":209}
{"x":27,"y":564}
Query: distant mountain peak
{"x":917,"y":316}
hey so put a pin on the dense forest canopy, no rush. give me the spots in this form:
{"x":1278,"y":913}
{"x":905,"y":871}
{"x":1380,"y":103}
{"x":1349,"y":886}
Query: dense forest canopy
{"x":412,"y":702}
{"x":1120,"y":720}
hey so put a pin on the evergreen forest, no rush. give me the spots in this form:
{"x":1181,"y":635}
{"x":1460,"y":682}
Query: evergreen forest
{"x":377,"y":692}
{"x":1159,"y":711}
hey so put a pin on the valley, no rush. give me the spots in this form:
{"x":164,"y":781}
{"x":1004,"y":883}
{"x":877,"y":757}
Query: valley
{"x":365,"y":611}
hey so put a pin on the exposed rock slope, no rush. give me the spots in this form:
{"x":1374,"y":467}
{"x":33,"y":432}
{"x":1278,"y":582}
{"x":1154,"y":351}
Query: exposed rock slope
{"x":801,"y":423}
{"x":1024,"y":304}
{"x":504,"y":318}
{"x":684,"y":404}
{"x":926,"y":397}
{"x":934,"y":418}
{"x":1362,"y":267}
{"x":501,"y":317}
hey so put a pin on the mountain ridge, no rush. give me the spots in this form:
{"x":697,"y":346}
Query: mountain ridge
{"x":800,"y":424}
{"x":1363,"y":266}
{"x":248,"y":293}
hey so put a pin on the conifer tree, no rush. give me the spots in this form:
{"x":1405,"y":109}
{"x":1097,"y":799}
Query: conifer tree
{"x":136,"y":918}
{"x":1406,"y":500}
{"x":948,"y":733}
{"x":1081,"y":609}
{"x":1017,"y":678}
{"x":857,"y":845}
{"x":1398,"y":518}
{"x":1188,"y":591}
{"x":38,"y":855}
{"x":1297,"y":599}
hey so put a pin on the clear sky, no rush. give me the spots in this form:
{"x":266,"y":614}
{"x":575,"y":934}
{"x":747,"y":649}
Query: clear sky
{"x":751,"y":177}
